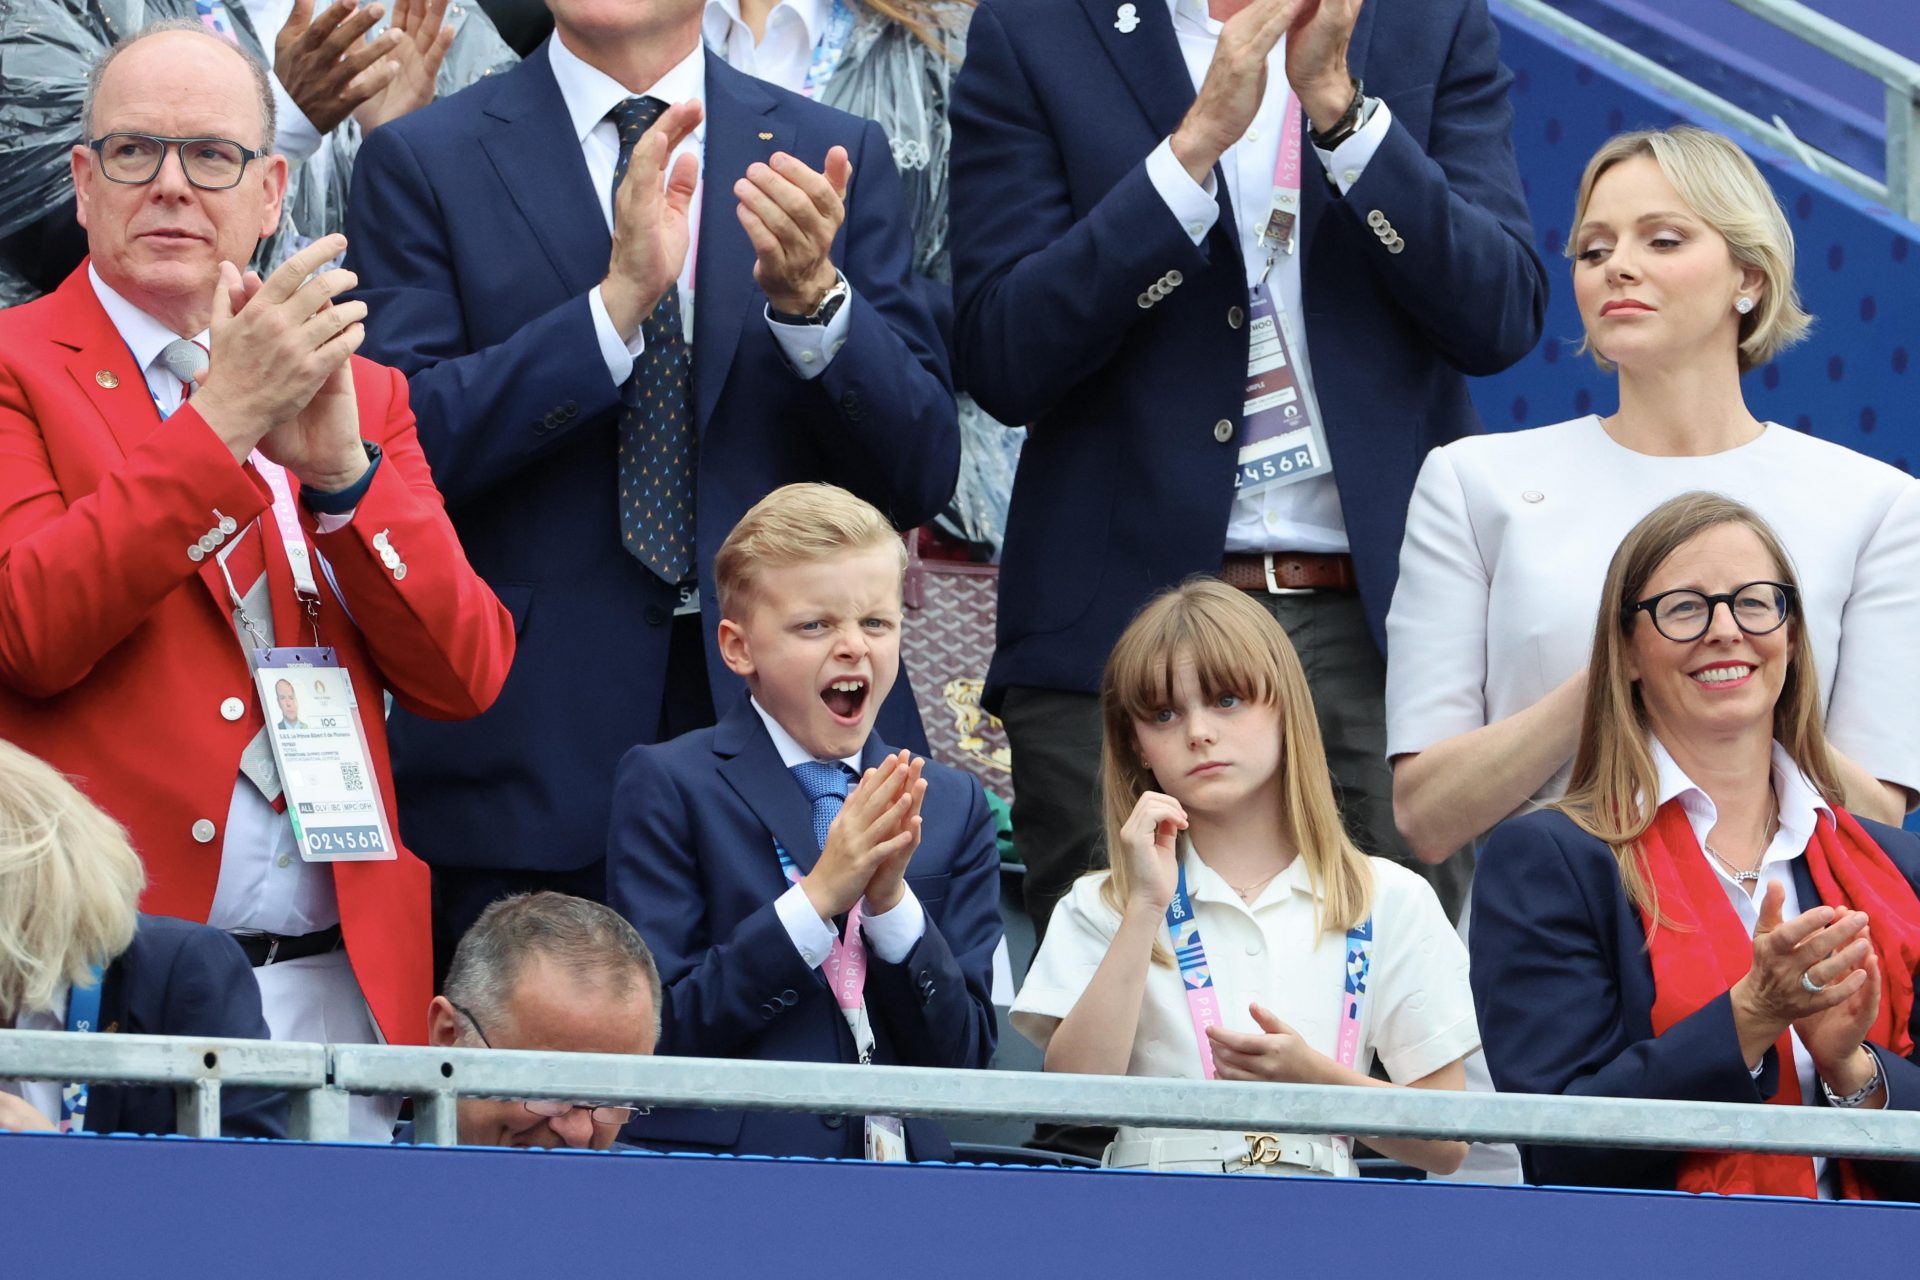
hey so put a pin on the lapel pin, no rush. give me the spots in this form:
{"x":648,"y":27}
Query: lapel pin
{"x":1126,"y":19}
{"x":766,"y":137}
{"x":107,"y":378}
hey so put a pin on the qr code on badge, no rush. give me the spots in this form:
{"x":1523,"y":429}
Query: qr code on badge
{"x":351,"y":776}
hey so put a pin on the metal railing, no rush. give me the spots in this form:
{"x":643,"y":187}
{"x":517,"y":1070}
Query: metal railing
{"x":320,"y":1078}
{"x":1899,"y":75}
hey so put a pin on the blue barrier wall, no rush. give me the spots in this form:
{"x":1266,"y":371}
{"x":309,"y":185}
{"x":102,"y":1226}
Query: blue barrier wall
{"x":78,"y":1208}
{"x":1853,"y":381}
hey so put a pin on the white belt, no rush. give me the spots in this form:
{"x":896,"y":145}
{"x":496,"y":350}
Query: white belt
{"x":1271,"y":1153}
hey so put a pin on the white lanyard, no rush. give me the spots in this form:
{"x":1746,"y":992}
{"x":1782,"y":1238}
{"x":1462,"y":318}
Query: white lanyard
{"x":287,"y":520}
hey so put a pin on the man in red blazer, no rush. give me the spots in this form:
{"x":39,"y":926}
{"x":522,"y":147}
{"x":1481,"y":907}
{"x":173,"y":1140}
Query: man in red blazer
{"x":170,"y":509}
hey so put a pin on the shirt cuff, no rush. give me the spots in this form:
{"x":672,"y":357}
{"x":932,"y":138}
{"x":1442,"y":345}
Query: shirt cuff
{"x":812,"y":937}
{"x":618,"y":353}
{"x":1347,"y":162}
{"x":294,"y":136}
{"x":338,"y":507}
{"x":810,"y":348}
{"x":1192,"y":203}
{"x":894,"y":934}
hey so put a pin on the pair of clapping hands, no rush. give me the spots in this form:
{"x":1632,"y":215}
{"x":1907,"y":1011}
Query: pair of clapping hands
{"x":871,"y":841}
{"x":331,"y":70}
{"x":791,"y":214}
{"x":1819,"y":974}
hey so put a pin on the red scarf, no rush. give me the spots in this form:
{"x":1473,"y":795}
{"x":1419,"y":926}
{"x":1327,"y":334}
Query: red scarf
{"x":1703,"y":949}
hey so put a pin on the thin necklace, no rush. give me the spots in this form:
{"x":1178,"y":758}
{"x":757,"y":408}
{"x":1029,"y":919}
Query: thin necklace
{"x":1753,"y":876}
{"x":1247,"y":894}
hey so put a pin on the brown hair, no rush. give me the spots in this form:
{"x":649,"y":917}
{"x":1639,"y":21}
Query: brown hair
{"x":1237,"y":648}
{"x":796,"y":524}
{"x":925,"y":20}
{"x":1722,"y":185}
{"x":1614,"y":780}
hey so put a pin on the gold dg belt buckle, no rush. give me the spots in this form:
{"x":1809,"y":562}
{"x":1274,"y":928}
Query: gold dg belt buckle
{"x":1262,"y":1148}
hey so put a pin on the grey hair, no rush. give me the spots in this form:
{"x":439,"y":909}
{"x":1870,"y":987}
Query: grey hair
{"x":262,"y":86}
{"x":584,"y":939}
{"x":69,"y":884}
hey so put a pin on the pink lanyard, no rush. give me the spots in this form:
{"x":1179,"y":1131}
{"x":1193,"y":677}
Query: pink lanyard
{"x":846,"y":969}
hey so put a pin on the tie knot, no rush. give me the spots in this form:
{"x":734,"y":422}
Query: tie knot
{"x":634,"y":117}
{"x":184,"y":357}
{"x":820,"y":779}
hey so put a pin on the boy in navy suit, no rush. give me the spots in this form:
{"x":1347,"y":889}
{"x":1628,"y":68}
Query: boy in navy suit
{"x":809,"y":894}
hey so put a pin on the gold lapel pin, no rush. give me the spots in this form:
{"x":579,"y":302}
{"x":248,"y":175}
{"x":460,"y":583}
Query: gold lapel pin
{"x":766,"y":137}
{"x":107,"y":378}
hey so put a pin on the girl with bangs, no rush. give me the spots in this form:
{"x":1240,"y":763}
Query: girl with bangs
{"x":1240,"y":935}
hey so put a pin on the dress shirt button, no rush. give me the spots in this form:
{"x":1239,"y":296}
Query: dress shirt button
{"x":1350,"y":177}
{"x":1196,"y":229}
{"x":1235,"y":317}
{"x":1258,"y":226}
{"x":1175,"y":279}
{"x":1253,"y":947}
{"x":834,"y":350}
{"x":232,"y":709}
{"x":284,"y":860}
{"x":1533,"y":495}
{"x":1223,"y":430}
{"x":203,"y":831}
{"x":806,"y":357}
{"x":1376,"y":219}
{"x":809,"y":958}
{"x":1253,"y":134}
{"x":194,"y":553}
{"x":1145,"y":301}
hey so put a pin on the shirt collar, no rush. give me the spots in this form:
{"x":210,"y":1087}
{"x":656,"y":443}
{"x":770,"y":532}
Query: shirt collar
{"x":1801,"y":804}
{"x":591,"y":93}
{"x":791,"y":752}
{"x":722,"y":18}
{"x":145,"y":337}
{"x":1204,"y":884}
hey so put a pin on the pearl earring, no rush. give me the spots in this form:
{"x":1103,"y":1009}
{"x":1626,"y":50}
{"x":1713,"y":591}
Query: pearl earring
{"x":1743,"y":305}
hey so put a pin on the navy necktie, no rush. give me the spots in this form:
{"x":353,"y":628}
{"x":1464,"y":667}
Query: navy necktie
{"x":657,"y":444}
{"x":825,"y":785}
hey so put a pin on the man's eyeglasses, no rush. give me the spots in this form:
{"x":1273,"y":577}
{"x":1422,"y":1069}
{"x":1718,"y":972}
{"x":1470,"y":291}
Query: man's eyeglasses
{"x":1683,"y":615}
{"x":212,"y":164}
{"x":552,"y":1109}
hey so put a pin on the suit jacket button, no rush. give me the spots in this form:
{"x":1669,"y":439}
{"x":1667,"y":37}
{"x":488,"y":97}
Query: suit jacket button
{"x":1145,"y":301}
{"x":1175,"y":279}
{"x":767,"y":1011}
{"x":655,"y":615}
{"x":194,"y":553}
{"x":1376,"y":219}
{"x":1235,"y":317}
{"x":1223,"y":430}
{"x":833,"y":1122}
{"x":232,"y":709}
{"x":571,"y":409}
{"x":203,"y":831}
{"x":788,"y":998}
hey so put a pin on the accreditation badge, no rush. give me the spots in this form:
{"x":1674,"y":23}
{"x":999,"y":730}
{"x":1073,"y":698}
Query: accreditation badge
{"x":1282,"y":442}
{"x":320,"y":746}
{"x":886,"y":1138}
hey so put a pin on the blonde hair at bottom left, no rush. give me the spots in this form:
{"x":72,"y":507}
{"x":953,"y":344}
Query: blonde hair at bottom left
{"x":69,"y":884}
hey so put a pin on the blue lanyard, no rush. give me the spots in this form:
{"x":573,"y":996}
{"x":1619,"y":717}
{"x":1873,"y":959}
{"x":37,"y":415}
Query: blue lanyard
{"x":83,"y":1014}
{"x":828,"y":49}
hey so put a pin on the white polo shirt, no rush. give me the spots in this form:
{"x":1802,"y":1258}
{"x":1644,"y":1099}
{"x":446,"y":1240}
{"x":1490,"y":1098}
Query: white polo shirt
{"x":1417,"y":1016}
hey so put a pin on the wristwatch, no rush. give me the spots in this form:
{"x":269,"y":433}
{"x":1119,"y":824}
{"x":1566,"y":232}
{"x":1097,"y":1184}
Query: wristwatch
{"x":1859,"y":1096}
{"x":836,"y":297}
{"x":1349,"y":122}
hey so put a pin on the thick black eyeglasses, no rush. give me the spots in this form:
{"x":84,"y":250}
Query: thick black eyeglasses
{"x":212,"y":164}
{"x":552,"y":1109}
{"x":1684,"y":615}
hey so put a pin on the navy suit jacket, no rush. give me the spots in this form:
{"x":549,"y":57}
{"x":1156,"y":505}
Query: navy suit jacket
{"x":691,"y":862}
{"x":1058,"y":233}
{"x":182,"y":979}
{"x":1564,"y":988}
{"x":477,"y":236}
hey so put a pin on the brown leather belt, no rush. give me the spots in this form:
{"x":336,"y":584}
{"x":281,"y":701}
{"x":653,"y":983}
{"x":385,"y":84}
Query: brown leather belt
{"x":1281,"y":572}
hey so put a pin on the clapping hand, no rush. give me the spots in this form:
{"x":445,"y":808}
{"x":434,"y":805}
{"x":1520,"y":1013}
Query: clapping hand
{"x":1828,"y":946}
{"x":327,"y":66}
{"x":1317,"y":59}
{"x":425,"y":36}
{"x":877,"y":826}
{"x":1229,"y":98}
{"x":791,"y":215}
{"x":651,"y":227}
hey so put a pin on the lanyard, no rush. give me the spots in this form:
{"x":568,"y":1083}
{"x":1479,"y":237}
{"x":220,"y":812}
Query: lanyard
{"x":828,"y":50}
{"x":1203,"y":1003}
{"x":287,"y":520}
{"x":1283,"y":207}
{"x":83,"y":1014}
{"x":846,"y":968}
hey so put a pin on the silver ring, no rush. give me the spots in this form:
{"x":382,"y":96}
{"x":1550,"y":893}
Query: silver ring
{"x":1813,"y":988}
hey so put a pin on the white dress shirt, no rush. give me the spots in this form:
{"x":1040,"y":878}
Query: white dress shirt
{"x":294,"y":136}
{"x":265,"y":885}
{"x":1306,"y":515}
{"x":1508,"y":539}
{"x":42,"y":1095}
{"x":1800,"y":810}
{"x":590,"y":94}
{"x":892,"y":934}
{"x":784,"y":55}
{"x":1418,"y":1013}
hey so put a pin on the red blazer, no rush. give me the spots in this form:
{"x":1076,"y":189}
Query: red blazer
{"x":117,"y":650}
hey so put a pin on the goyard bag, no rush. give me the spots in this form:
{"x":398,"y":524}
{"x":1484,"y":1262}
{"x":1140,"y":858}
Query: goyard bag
{"x":947,"y":641}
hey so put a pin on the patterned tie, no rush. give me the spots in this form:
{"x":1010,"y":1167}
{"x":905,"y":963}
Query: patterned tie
{"x":658,"y":450}
{"x":825,"y":784}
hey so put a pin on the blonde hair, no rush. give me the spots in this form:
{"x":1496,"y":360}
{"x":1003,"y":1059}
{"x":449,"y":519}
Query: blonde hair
{"x":1614,"y":782}
{"x":796,"y":524}
{"x":928,"y":21}
{"x":1722,"y":185}
{"x":1237,"y":648}
{"x":69,"y":884}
